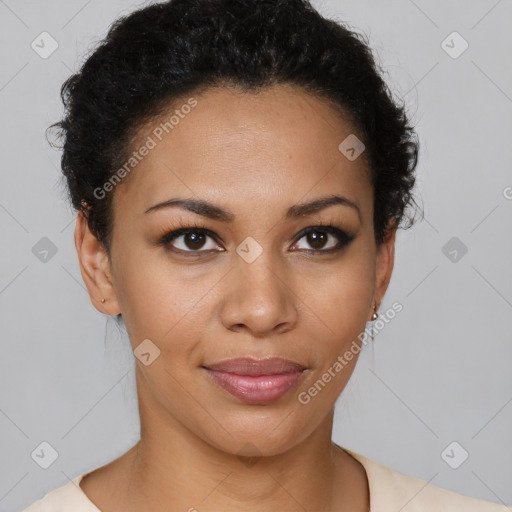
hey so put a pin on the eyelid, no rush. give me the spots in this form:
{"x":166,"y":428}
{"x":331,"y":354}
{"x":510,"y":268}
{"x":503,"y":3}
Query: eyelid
{"x":171,"y":235}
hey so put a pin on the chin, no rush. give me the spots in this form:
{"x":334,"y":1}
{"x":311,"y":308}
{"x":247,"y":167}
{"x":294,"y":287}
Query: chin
{"x":258,"y":434}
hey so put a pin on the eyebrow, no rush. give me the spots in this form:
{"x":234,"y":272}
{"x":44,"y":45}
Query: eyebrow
{"x":215,"y":212}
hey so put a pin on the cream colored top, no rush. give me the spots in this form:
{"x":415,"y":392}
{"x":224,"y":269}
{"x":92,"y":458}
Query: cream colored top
{"x":390,"y":491}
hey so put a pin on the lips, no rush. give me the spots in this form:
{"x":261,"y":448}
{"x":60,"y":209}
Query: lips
{"x":256,"y":367}
{"x":256,"y":381}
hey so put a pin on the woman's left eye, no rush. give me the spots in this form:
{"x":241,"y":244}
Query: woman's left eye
{"x":318,"y":236}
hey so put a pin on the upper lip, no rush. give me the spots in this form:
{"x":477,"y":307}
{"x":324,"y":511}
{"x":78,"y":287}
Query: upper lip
{"x":252,"y":366}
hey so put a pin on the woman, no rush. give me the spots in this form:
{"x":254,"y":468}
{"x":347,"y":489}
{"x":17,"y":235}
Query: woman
{"x":240,"y":171}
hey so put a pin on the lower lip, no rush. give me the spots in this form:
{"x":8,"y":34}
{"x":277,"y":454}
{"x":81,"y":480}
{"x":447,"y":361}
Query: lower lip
{"x":262,"y":389}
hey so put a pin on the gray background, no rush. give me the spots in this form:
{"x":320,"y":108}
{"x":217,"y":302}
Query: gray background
{"x":438,"y":373}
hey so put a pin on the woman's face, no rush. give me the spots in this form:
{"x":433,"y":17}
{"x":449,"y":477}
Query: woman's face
{"x":252,"y":285}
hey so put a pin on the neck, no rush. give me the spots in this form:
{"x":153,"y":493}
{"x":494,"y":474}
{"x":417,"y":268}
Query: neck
{"x":172,"y":468}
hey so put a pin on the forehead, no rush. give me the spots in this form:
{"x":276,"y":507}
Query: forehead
{"x":277,"y":146}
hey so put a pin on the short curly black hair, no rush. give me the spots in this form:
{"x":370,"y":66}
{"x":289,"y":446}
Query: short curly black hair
{"x":162,"y":52}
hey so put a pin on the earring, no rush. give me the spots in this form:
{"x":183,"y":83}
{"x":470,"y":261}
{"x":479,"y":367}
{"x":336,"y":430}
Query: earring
{"x":374,"y":317}
{"x":103,"y":300}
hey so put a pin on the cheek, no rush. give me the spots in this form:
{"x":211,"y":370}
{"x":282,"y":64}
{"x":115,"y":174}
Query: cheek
{"x":160,"y":301}
{"x":340,"y":296}
{"x":337,"y":309}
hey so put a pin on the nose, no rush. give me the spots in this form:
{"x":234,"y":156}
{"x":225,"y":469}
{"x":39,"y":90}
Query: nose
{"x":259,"y":298}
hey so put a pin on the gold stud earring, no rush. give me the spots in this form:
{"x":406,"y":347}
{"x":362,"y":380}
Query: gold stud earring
{"x":103,"y":300}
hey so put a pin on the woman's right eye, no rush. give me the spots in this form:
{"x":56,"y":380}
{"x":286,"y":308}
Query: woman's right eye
{"x":188,"y":240}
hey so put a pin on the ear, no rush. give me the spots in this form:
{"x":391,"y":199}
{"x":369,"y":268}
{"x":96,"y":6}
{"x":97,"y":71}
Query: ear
{"x":385,"y":263}
{"x":95,"y":268}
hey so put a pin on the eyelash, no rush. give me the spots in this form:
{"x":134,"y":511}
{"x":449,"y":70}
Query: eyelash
{"x":344,"y":239}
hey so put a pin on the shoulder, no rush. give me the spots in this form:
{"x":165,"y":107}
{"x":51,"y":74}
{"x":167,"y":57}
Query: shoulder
{"x":63,"y":499}
{"x":391,"y":490}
